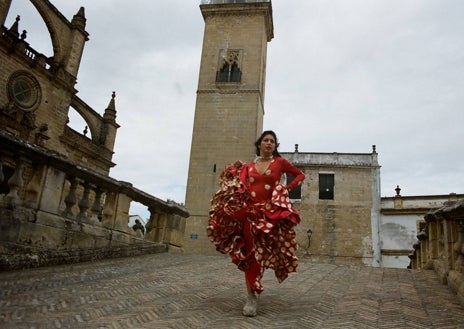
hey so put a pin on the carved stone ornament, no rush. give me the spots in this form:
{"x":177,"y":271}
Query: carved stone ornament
{"x":24,"y":91}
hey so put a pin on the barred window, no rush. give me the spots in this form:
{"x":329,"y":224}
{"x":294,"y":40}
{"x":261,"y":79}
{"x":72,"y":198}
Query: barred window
{"x":326,"y":186}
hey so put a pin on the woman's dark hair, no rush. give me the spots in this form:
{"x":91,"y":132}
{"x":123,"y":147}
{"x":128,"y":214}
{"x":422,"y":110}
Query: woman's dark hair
{"x":260,"y":139}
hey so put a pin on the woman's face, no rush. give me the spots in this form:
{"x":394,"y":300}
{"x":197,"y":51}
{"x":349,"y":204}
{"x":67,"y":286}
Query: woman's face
{"x":267,"y":145}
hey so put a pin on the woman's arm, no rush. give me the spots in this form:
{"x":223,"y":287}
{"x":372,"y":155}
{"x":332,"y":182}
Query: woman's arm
{"x":298,"y":175}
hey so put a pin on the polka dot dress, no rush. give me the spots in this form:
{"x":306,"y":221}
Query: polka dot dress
{"x":260,"y":203}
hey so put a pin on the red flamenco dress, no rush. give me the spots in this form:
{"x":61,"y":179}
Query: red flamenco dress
{"x":252,"y":219}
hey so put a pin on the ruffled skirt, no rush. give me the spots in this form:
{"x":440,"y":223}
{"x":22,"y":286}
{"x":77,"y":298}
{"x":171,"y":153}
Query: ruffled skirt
{"x":257,"y":236}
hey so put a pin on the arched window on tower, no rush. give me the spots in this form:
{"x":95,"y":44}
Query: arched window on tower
{"x":229,"y":70}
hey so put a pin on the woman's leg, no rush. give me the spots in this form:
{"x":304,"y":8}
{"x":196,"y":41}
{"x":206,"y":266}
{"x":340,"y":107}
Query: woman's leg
{"x":251,"y":306}
{"x":251,"y":273}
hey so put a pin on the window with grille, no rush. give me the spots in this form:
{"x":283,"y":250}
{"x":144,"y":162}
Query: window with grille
{"x":326,"y":186}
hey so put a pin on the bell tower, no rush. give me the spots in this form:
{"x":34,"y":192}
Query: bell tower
{"x":229,"y":105}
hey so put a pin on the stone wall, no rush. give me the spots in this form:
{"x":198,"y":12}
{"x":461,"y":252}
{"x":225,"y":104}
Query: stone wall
{"x":343,"y":229}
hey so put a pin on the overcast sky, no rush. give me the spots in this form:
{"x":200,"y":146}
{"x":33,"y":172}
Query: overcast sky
{"x":341,"y":77}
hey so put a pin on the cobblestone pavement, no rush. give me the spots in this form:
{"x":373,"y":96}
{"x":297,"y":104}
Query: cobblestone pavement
{"x":189,"y":291}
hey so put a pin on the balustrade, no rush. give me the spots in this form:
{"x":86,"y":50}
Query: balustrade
{"x":440,"y":246}
{"x":218,"y":2}
{"x":35,"y":58}
{"x":15,"y":183}
{"x":51,"y":202}
{"x":96,"y":206}
{"x":71,"y":198}
{"x":84,"y":204}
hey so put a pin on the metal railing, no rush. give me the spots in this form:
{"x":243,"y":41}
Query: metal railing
{"x":218,"y":2}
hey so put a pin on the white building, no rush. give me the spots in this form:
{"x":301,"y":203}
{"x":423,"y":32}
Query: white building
{"x":401,"y":218}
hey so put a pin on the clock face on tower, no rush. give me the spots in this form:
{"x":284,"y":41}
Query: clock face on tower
{"x":24,"y":91}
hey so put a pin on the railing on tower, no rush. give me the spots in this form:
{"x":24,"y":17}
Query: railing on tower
{"x":218,"y":2}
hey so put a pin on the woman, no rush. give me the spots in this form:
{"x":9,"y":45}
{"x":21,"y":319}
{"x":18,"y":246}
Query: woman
{"x":252,"y":218}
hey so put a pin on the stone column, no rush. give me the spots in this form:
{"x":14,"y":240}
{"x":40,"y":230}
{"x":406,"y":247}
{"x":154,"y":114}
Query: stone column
{"x":15,"y":182}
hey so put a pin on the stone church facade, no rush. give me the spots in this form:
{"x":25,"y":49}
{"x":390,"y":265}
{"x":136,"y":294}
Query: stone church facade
{"x":57,"y":200}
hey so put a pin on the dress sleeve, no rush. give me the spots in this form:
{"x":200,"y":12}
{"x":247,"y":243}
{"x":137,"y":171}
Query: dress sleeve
{"x":298,"y":175}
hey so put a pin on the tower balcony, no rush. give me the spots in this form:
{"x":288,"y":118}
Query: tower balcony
{"x":219,"y":2}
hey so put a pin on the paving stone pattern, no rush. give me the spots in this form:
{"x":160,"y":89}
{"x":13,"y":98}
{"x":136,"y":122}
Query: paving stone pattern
{"x":189,"y":291}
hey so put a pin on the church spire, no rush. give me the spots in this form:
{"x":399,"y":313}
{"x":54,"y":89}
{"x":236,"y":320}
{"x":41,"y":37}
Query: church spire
{"x":109,"y":127}
{"x":110,"y":112}
{"x":79,"y":20}
{"x":15,"y":27}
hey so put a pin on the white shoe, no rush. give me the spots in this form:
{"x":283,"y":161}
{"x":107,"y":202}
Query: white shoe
{"x":251,"y":306}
